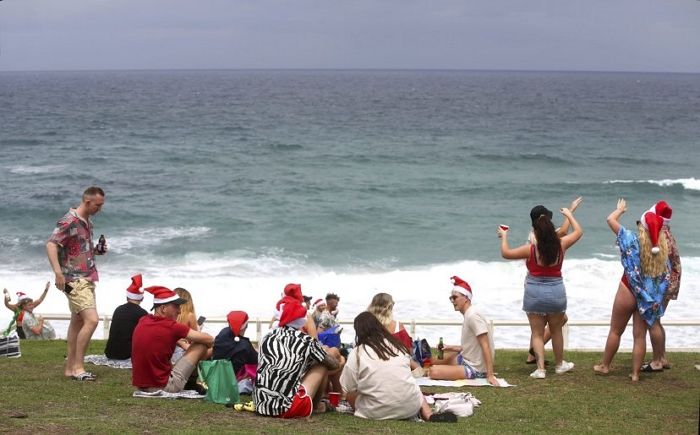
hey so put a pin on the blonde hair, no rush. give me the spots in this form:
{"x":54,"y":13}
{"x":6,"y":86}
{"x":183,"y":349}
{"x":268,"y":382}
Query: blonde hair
{"x":652,"y":264}
{"x":382,"y":306}
{"x":187,"y":308}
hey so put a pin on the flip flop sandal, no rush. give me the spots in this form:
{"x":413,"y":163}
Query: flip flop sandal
{"x":647,"y":368}
{"x":85,"y":376}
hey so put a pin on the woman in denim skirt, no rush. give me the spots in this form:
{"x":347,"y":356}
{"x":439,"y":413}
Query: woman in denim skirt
{"x":544,"y":300}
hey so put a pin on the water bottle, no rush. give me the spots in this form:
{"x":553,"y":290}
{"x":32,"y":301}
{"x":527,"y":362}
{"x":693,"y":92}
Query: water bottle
{"x":441,"y":349}
{"x":101,"y":245}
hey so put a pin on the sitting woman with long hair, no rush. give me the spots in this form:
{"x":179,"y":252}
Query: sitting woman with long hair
{"x":382,"y":306}
{"x":645,"y":259}
{"x":187,"y":316}
{"x":377,"y":377}
{"x":544,"y":300}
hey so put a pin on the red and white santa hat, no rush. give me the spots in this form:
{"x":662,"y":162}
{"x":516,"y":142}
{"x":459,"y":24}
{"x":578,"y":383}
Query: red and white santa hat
{"x":163,"y":295}
{"x":292,"y":293}
{"x":22,"y":297}
{"x":319,"y":303}
{"x":293,"y":315}
{"x":461,"y":286}
{"x":662,"y":209}
{"x":134,"y":291}
{"x":237,"y":321}
{"x":652,"y":223}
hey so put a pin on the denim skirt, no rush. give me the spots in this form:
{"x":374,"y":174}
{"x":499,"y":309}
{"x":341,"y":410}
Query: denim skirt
{"x":544,"y":295}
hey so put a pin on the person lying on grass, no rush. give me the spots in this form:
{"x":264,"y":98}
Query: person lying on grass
{"x":377,"y":376}
{"x":474,"y":357}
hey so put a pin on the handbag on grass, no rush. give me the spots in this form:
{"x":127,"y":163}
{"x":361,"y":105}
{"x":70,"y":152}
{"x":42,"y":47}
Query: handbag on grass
{"x":221,"y":383}
{"x":421,"y":351}
{"x":9,"y":346}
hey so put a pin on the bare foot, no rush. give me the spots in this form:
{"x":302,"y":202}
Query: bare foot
{"x":320,"y":408}
{"x":635,"y":378}
{"x":601,"y":369}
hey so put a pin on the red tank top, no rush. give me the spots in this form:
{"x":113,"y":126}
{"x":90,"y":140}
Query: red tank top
{"x":539,"y":270}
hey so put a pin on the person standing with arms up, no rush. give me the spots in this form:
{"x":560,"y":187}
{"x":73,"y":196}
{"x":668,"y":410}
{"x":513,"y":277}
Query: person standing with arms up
{"x":544,"y":300}
{"x":71,"y":254}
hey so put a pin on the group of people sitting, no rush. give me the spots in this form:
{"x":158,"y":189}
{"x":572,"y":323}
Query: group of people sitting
{"x":292,"y":369}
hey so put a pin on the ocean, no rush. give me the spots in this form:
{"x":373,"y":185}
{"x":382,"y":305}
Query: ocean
{"x":233,"y":183}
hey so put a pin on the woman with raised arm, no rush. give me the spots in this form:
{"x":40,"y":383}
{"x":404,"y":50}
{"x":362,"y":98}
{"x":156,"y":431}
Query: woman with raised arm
{"x":544,"y":300}
{"x":641,"y":291}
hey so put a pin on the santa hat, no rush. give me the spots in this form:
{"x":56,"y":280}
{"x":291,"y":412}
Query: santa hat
{"x":663,"y":210}
{"x":293,"y":315}
{"x":461,"y":286}
{"x":134,"y":291}
{"x":292,"y":293}
{"x":22,"y":298}
{"x":163,"y":295}
{"x":237,"y":321}
{"x":653,"y":223}
{"x":319,"y":302}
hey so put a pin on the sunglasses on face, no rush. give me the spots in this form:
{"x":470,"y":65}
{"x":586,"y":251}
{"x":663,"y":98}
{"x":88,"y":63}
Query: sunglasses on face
{"x":453,"y":298}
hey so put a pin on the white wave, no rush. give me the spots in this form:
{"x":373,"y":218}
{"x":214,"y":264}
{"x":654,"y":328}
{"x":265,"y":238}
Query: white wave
{"x":240,"y":280}
{"x":142,"y":237}
{"x":33,"y":170}
{"x":687,"y":183}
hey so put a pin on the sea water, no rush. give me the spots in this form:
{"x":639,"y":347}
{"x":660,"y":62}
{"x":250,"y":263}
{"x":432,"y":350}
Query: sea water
{"x":233,"y":183}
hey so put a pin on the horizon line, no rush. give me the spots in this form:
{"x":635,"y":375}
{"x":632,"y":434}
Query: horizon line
{"x":515,"y":70}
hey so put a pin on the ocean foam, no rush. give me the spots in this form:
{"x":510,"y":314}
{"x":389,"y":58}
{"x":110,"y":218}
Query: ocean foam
{"x":255,"y":284}
{"x":143,"y":237}
{"x":687,"y":183}
{"x":34,"y":170}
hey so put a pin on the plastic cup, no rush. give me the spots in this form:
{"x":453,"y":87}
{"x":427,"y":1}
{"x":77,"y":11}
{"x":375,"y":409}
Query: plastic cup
{"x":334,"y":398}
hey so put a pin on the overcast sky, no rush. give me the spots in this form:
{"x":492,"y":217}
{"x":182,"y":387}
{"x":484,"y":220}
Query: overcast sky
{"x":590,"y":35}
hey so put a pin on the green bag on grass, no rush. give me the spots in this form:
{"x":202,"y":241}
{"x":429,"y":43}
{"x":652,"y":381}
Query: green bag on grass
{"x":221,"y":383}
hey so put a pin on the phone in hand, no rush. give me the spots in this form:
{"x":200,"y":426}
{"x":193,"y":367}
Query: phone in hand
{"x":68,"y":287}
{"x":201,"y":320}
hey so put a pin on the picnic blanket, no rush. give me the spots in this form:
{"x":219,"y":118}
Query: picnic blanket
{"x":482,"y":382}
{"x":160,"y":394}
{"x":101,"y":360}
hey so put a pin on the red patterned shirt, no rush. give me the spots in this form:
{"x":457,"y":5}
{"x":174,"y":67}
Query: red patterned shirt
{"x":76,"y":253}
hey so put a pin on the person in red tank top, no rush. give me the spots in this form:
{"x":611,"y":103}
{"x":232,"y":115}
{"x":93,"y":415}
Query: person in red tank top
{"x":544,"y":300}
{"x":382,"y":306}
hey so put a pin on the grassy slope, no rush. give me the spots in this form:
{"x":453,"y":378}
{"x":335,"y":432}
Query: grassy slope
{"x":574,"y":402}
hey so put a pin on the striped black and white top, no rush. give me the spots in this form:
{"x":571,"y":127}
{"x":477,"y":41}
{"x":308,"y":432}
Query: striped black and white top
{"x":284,"y":357}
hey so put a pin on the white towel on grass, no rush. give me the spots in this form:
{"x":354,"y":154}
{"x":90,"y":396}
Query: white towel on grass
{"x":160,"y":394}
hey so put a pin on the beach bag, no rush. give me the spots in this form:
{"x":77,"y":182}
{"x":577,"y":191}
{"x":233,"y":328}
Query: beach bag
{"x":421,"y":350}
{"x":221,"y":384}
{"x":9,"y":346}
{"x":330,"y":337}
{"x":460,"y":404}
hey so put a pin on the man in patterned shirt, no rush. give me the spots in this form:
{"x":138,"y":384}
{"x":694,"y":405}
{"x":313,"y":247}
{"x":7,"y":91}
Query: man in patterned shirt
{"x":72,"y":257}
{"x":293,"y":368}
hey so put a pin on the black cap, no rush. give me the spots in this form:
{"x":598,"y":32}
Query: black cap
{"x":538,"y":211}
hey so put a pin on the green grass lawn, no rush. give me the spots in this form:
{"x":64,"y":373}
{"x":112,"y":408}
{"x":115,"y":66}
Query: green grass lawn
{"x":575,"y":402}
